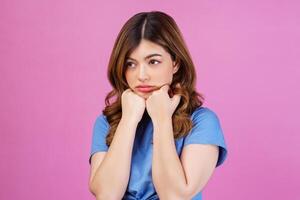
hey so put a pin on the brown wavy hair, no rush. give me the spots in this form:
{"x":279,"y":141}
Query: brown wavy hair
{"x":160,"y":28}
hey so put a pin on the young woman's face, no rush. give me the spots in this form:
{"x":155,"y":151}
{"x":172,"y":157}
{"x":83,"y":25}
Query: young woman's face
{"x":149,"y":65}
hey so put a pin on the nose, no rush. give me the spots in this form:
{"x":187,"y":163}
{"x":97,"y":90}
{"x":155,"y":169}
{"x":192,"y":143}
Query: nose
{"x":142,"y":74}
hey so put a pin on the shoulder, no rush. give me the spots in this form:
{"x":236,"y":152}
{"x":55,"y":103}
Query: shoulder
{"x":101,"y":123}
{"x":204,"y":114}
{"x":101,"y":119}
{"x":207,"y":129}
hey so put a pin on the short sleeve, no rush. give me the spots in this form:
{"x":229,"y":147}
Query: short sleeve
{"x":207,"y":130}
{"x":100,"y":131}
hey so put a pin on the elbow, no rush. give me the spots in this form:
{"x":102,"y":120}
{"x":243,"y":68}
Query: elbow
{"x":96,"y":191}
{"x":189,"y":193}
{"x":93,"y":189}
{"x":184,"y":194}
{"x":173,"y":196}
{"x":165,"y":195}
{"x":107,"y":197}
{"x":102,"y":194}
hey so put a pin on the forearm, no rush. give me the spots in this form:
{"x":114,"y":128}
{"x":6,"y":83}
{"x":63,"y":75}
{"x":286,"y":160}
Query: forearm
{"x":111,"y":177}
{"x":167,"y":171}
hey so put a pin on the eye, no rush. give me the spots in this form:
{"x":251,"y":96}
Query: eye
{"x":153,"y":61}
{"x":129,"y":64}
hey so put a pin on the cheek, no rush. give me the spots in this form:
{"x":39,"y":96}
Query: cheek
{"x":165,"y":75}
{"x":129,"y":78}
{"x":128,"y":74}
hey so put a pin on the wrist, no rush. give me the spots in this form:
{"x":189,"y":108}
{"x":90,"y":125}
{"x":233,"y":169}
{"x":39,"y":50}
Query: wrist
{"x":129,"y":121}
{"x":162,"y":121}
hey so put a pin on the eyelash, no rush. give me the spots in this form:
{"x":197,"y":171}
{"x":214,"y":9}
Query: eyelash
{"x":149,"y":62}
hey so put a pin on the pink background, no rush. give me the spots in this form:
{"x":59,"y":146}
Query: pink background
{"x":53,"y":61}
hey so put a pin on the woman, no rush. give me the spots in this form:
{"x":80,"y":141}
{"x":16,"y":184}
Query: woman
{"x":140,"y":145}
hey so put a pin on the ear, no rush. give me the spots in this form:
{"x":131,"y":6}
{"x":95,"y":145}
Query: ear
{"x":175,"y":67}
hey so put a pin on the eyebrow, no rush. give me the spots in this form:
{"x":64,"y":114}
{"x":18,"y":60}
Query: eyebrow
{"x":149,"y":56}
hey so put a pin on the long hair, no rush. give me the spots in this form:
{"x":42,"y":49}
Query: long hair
{"x":160,"y":28}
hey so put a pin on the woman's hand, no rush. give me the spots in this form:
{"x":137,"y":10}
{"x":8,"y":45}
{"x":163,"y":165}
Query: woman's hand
{"x":160,"y":106}
{"x":133,"y":106}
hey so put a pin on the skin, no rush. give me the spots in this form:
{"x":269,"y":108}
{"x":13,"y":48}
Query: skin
{"x":187,"y":175}
{"x":173,"y":177}
{"x":157,"y":71}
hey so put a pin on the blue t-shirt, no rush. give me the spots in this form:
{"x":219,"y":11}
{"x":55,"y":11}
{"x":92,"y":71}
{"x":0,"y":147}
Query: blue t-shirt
{"x":206,"y":130}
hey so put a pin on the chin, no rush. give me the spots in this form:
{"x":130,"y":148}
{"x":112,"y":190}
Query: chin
{"x":144,"y":95}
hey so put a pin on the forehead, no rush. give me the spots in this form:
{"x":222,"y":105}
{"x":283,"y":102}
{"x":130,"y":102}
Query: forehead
{"x":147,"y":47}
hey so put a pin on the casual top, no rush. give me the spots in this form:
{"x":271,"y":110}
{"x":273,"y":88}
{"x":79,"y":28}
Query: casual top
{"x":206,"y":130}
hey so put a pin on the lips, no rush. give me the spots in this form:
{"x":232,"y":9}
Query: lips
{"x":145,"y":88}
